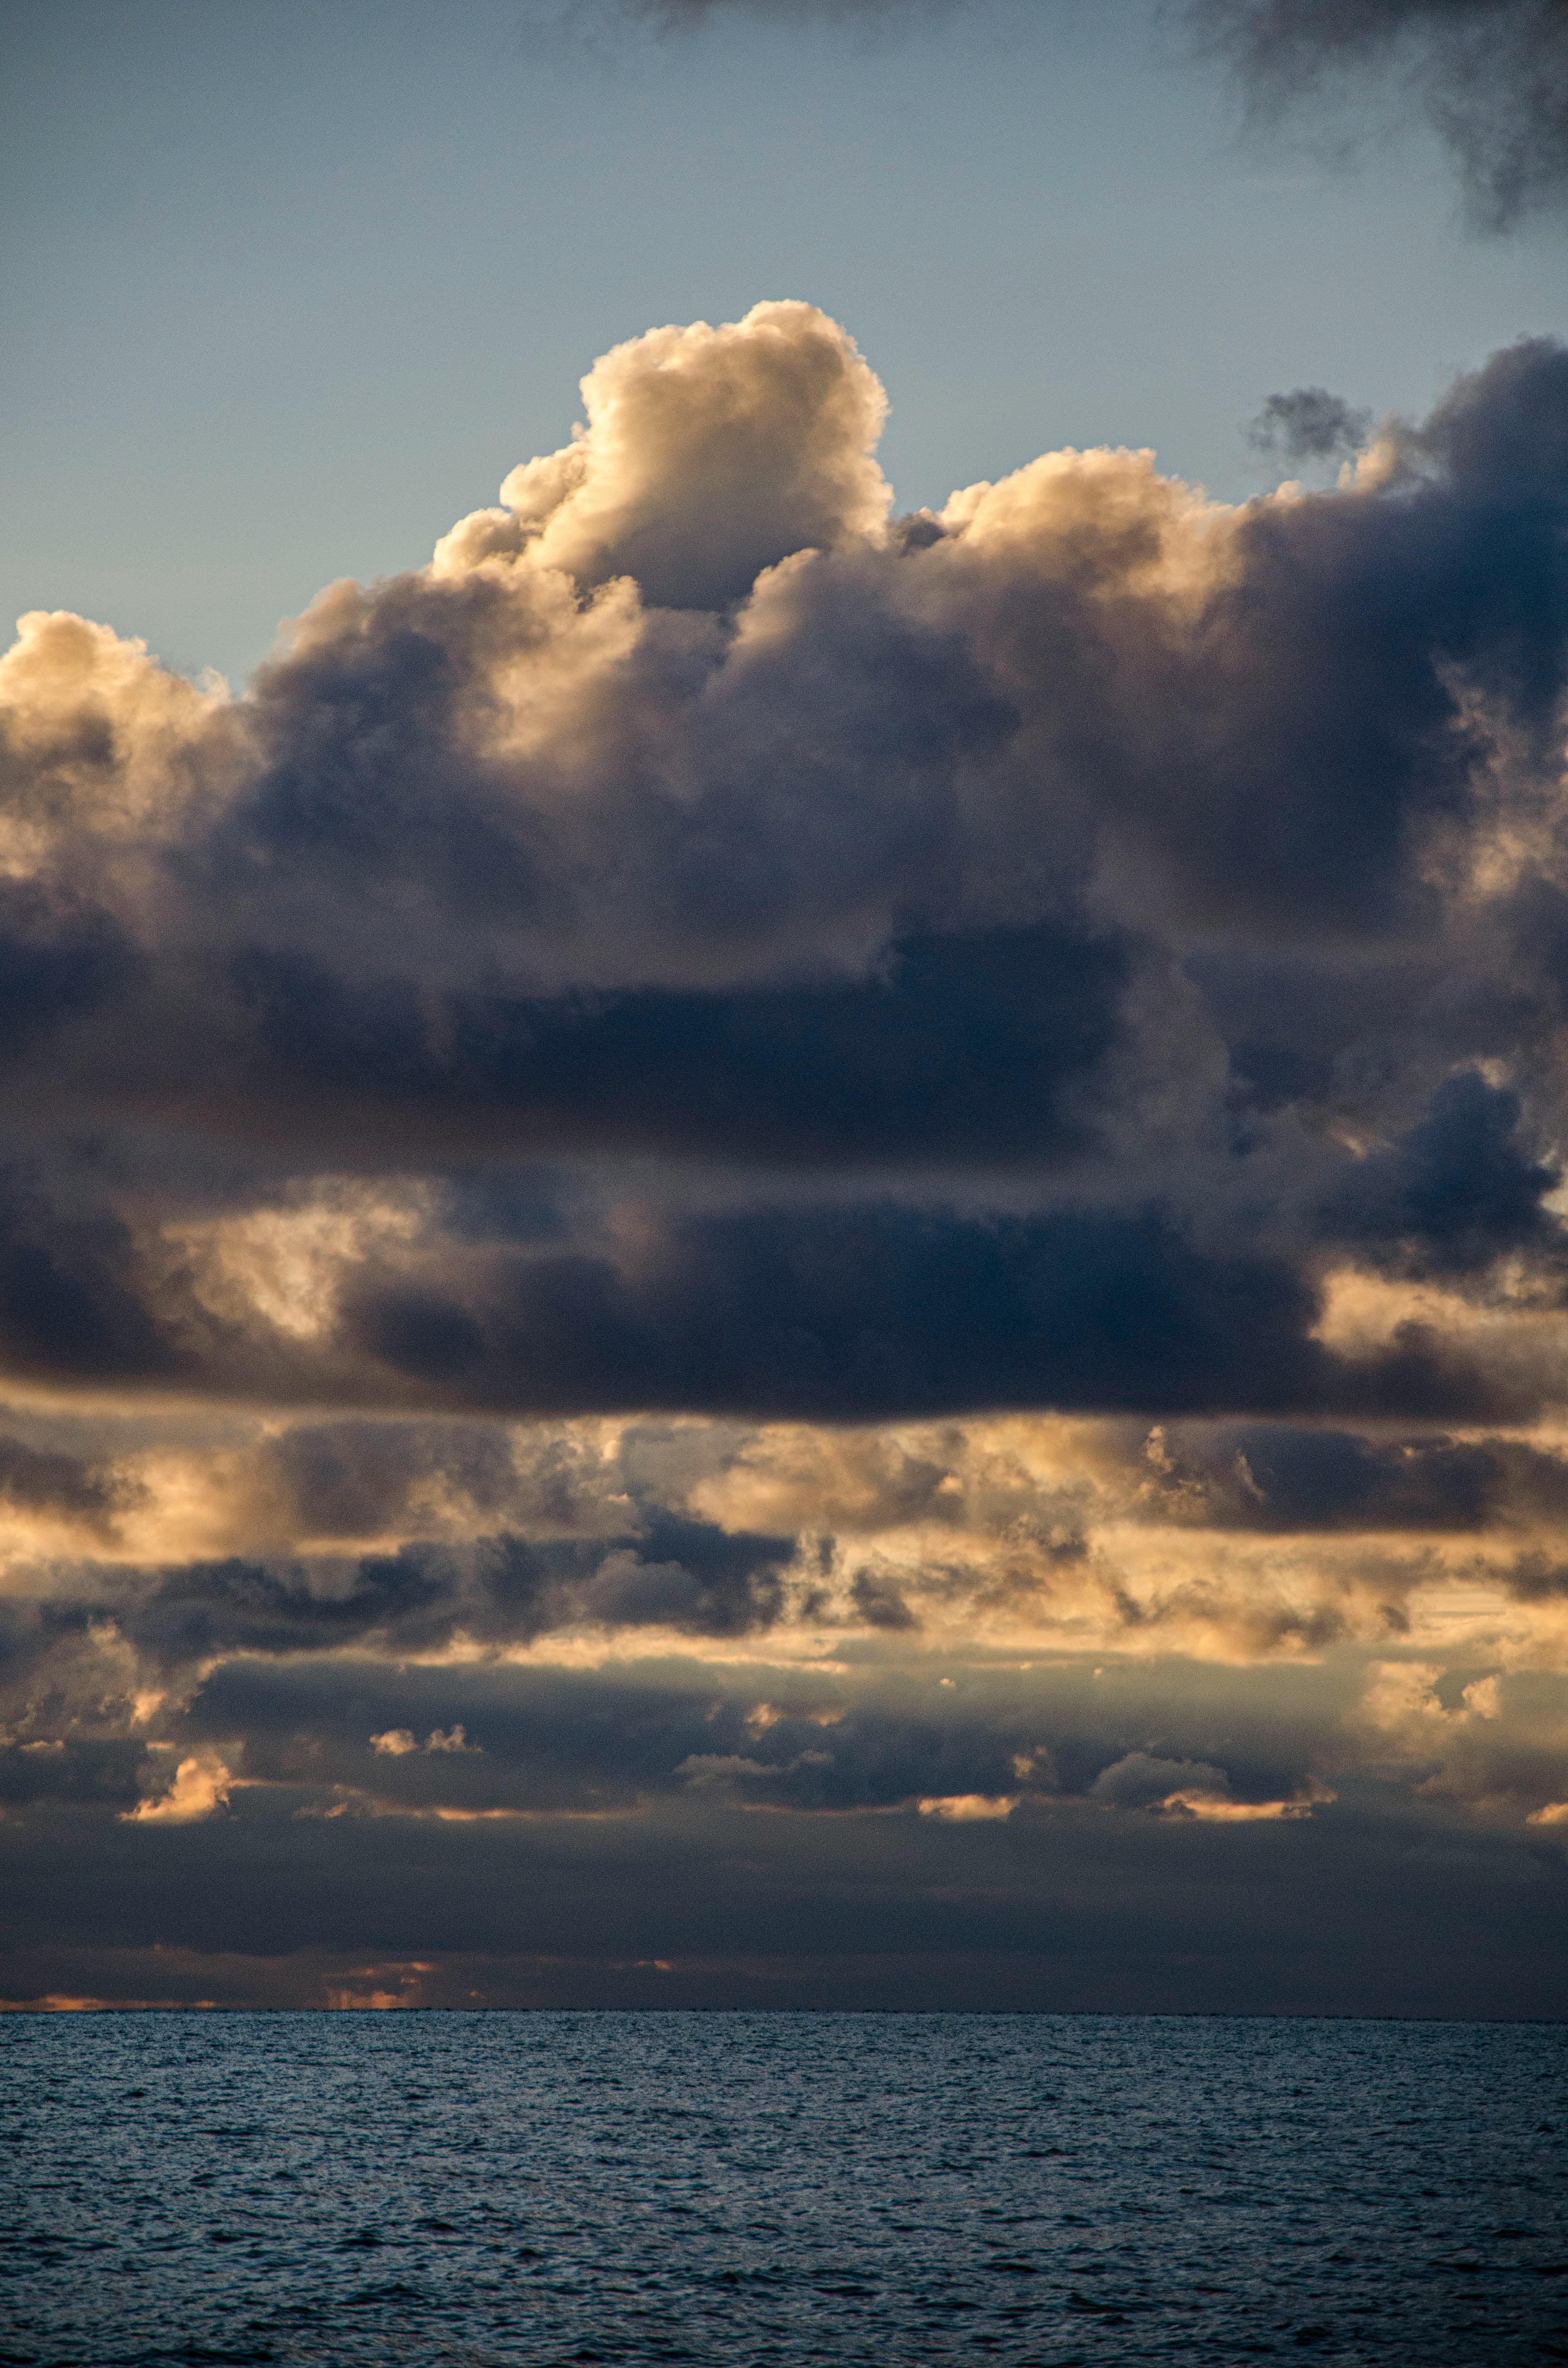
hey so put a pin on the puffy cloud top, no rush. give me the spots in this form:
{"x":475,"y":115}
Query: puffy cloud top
{"x":709,"y":455}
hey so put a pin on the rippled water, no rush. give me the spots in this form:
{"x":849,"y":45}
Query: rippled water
{"x":730,"y":2188}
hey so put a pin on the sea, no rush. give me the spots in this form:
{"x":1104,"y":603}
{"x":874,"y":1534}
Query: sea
{"x":483,"y":2188}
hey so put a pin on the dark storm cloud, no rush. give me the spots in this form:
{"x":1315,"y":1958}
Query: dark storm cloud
{"x":1326,"y":673}
{"x":1283,"y":1480}
{"x":690,"y":1576}
{"x":43,"y":1481}
{"x":859,"y":1313}
{"x":1309,"y":423}
{"x":1454,"y":1194}
{"x":1490,"y":75}
{"x":671,"y":1573}
{"x":71,"y":1299}
{"x":843,"y":1312}
{"x":548,"y":1738}
{"x":638,"y":1838}
{"x":907,"y":1067}
{"x":706,"y":1906}
{"x":58,"y":960}
{"x":202,"y":1609}
{"x":88,"y":1772}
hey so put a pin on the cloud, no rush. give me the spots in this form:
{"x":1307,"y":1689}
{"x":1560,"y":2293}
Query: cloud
{"x":899,"y":1067}
{"x":397,"y":1742}
{"x":1141,"y":1781}
{"x":708,"y":456}
{"x":1309,"y":423}
{"x":63,"y":1487}
{"x":1454,"y":1194}
{"x":1284,"y":1479}
{"x":1030,"y":745}
{"x":732,"y":1161}
{"x":1490,"y":75}
{"x":968,"y":1808}
{"x":1192,"y":1789}
{"x":201,"y":1786}
{"x":608,"y":1787}
{"x":1122,"y":843}
{"x":843,"y":1314}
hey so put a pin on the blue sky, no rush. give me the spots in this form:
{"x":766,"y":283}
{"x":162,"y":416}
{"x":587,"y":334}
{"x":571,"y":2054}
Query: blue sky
{"x":288,"y":289}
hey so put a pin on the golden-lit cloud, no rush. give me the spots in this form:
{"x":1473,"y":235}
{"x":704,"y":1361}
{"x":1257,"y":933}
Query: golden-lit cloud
{"x":732,"y":1175}
{"x":201,"y":1785}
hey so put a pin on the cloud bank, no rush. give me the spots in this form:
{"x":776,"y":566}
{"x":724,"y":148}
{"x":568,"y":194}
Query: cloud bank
{"x":729,"y":1164}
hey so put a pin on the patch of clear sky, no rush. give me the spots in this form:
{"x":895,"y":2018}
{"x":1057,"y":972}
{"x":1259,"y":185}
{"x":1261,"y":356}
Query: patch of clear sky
{"x":286,"y":287}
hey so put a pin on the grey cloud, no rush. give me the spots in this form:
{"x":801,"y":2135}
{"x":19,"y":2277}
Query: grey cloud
{"x":44,"y":1481}
{"x":752,"y":1813}
{"x":1086,"y":846}
{"x":71,"y":1301}
{"x":1455,"y":1193}
{"x":904,"y":1067}
{"x":880,"y":1738}
{"x":690,"y":1576}
{"x":1490,"y":75}
{"x":866,"y":1313}
{"x":671,"y":1573}
{"x":88,"y":1772}
{"x":356,"y":1479}
{"x":816,"y":1307}
{"x":701,"y":863}
{"x":880,"y":1604}
{"x":1140,"y":1780}
{"x":1281,"y":1479}
{"x":1309,"y":423}
{"x":1120,"y":1915}
{"x":236,"y":1606}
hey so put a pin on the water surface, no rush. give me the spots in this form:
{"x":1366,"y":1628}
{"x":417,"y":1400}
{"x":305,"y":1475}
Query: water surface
{"x":730,"y":2188}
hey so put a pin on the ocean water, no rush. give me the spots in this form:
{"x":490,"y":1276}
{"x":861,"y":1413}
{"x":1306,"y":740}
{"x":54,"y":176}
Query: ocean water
{"x":730,"y":2188}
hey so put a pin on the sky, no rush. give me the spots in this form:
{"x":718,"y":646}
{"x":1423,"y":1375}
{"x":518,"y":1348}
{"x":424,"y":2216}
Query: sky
{"x":784,"y":950}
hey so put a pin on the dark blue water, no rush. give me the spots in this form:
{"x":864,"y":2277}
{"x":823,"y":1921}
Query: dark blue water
{"x":729,"y":2189}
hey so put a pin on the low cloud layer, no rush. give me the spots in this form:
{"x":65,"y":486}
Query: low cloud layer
{"x":729,"y":1162}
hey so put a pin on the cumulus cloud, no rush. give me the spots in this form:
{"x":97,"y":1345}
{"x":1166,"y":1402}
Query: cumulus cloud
{"x":201,"y":1786}
{"x":709,"y":455}
{"x":695,"y":1127}
{"x":997,"y":843}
